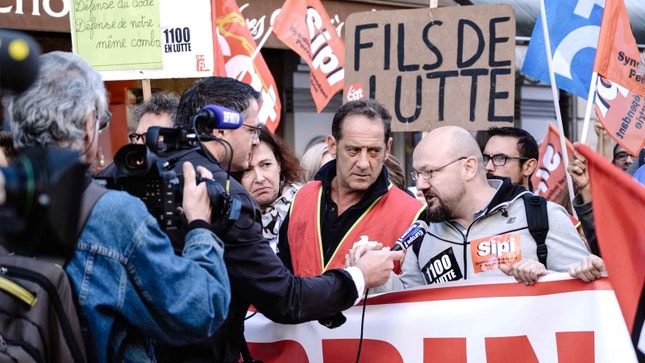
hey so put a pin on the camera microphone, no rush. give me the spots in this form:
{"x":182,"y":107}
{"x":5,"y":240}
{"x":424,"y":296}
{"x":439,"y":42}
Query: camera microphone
{"x":218,"y":117}
{"x":415,"y":232}
{"x":19,"y":62}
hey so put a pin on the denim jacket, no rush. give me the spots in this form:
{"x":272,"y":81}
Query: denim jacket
{"x":133,"y":289}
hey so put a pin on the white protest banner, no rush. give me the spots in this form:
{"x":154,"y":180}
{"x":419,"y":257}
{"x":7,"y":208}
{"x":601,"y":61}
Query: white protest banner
{"x":434,"y":67}
{"x":183,"y":36}
{"x":556,"y":320}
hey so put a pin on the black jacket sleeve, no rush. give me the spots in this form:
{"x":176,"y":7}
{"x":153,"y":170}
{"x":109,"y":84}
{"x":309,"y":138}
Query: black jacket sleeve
{"x":585,"y":216}
{"x":259,"y":276}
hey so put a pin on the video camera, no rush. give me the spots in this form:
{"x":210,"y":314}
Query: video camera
{"x":43,"y":193}
{"x":145,"y":171}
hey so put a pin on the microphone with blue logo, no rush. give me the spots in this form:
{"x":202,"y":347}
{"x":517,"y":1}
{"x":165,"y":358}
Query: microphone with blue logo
{"x":217,"y":117}
{"x":414,"y":233}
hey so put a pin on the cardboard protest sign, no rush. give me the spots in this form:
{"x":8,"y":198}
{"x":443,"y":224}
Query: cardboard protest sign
{"x":144,"y":39}
{"x":434,"y":67}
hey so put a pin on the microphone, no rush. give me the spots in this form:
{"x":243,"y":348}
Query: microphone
{"x":218,"y":117}
{"x":19,"y":63}
{"x":415,"y":232}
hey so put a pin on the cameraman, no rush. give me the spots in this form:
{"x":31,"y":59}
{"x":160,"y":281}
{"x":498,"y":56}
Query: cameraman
{"x":257,"y":275}
{"x":131,"y":287}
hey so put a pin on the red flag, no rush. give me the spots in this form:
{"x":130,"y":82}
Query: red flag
{"x":305,"y":27}
{"x":619,"y":207}
{"x":550,"y":178}
{"x":233,"y":45}
{"x":620,"y":103}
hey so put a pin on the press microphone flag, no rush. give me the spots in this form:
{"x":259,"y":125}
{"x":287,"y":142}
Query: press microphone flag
{"x":218,"y":117}
{"x":415,"y":232}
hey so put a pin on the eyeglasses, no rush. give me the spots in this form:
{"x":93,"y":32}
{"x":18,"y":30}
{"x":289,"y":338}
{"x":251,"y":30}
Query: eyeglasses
{"x":134,"y":138}
{"x":621,"y":156}
{"x":104,"y":122}
{"x":500,"y":159}
{"x":255,"y":130}
{"x":427,"y":174}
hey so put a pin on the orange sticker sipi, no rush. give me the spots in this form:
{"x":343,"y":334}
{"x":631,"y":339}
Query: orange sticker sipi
{"x":490,"y":252}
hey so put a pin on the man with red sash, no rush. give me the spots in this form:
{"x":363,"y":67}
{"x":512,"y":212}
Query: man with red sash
{"x":351,"y":198}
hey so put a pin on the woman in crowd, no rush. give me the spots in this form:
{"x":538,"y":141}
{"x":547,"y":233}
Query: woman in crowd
{"x":272,"y":179}
{"x":315,"y":157}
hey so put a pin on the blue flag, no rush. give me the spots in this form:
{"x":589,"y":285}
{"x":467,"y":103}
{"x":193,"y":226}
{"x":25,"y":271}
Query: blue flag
{"x":574,"y":26}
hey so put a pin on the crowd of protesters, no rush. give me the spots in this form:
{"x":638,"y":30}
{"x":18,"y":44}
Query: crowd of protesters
{"x":299,"y":241}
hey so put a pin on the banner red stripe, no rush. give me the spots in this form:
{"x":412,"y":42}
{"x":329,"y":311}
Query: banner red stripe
{"x":445,"y":292}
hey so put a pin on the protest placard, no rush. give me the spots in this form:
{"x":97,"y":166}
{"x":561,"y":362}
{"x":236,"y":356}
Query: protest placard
{"x":434,"y":67}
{"x":144,"y":39}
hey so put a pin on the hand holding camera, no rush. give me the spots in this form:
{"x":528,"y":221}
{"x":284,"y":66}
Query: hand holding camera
{"x":196,"y":203}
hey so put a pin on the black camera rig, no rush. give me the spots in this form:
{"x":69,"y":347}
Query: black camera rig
{"x":145,"y":171}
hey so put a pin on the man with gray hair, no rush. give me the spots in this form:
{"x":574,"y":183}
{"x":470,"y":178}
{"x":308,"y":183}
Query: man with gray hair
{"x":123,"y":269}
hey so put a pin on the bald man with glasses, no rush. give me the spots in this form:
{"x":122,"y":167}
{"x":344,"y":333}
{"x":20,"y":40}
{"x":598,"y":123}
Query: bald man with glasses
{"x":478,"y":226}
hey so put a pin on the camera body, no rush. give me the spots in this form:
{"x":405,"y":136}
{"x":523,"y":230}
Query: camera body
{"x":144,"y":171}
{"x":43,"y":188}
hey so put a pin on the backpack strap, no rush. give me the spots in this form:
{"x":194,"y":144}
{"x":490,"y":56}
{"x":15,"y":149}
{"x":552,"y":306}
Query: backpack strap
{"x":538,"y":222}
{"x":91,"y":194}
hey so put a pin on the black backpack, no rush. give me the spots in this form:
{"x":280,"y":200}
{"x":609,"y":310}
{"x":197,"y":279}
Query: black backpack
{"x":38,"y":316}
{"x":537,"y":218}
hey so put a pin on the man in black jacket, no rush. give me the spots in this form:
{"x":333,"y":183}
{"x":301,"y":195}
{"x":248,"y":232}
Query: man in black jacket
{"x":257,"y":276}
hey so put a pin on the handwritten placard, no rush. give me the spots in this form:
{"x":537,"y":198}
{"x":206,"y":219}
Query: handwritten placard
{"x":117,"y":34}
{"x":454,"y":65}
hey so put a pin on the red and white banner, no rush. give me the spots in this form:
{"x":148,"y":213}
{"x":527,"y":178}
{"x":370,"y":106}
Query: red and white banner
{"x":305,"y":27}
{"x":233,"y":45}
{"x":550,"y":179}
{"x":620,"y":98}
{"x":557,"y":320}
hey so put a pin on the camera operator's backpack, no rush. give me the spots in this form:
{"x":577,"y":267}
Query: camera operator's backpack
{"x":38,"y":316}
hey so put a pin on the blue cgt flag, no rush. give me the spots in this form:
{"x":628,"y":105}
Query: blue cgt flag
{"x":574,"y":26}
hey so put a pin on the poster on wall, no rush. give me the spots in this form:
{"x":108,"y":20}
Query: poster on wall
{"x":144,"y":39}
{"x":433,"y":67}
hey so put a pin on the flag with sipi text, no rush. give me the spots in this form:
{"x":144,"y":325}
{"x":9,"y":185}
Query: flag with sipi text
{"x":234,"y":48}
{"x":620,"y":91}
{"x":550,"y":178}
{"x":305,"y":27}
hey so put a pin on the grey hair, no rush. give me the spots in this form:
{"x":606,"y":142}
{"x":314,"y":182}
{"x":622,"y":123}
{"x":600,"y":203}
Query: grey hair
{"x":160,"y":102}
{"x":54,"y":111}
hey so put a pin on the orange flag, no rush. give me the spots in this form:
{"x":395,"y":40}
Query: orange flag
{"x":233,"y":45}
{"x":305,"y":27}
{"x":620,"y":97}
{"x":619,"y":207}
{"x":550,"y":178}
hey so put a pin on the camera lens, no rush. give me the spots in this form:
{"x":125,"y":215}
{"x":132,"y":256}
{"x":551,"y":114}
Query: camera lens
{"x":134,"y":160}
